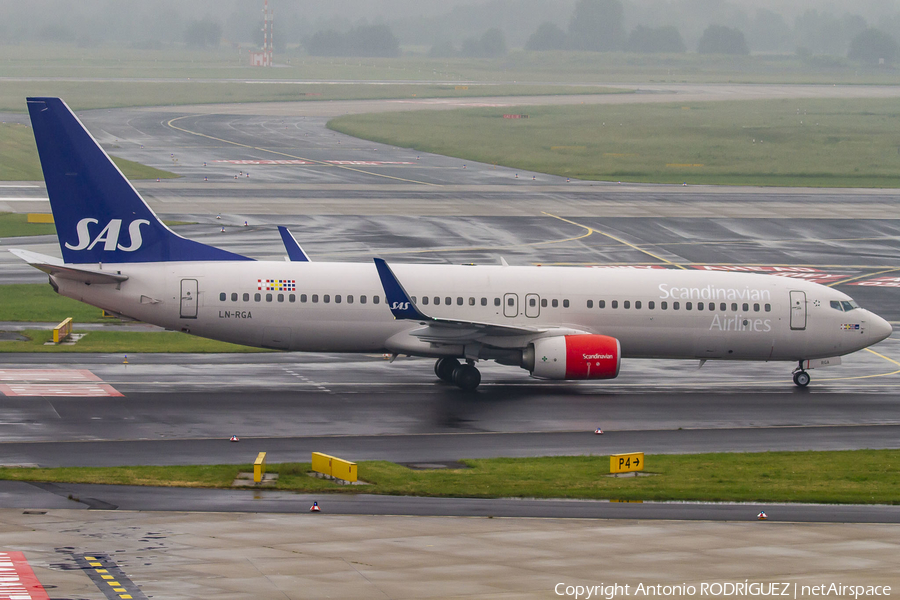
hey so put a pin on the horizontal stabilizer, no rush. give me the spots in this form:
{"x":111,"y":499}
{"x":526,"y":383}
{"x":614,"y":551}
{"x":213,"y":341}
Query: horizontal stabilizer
{"x":56,"y":268}
{"x":294,"y":251}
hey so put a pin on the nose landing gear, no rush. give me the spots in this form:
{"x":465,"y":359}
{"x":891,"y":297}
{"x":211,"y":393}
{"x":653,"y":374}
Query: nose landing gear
{"x":801,"y":377}
{"x":464,"y":376}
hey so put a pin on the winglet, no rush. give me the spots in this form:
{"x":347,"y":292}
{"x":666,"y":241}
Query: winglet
{"x":295,"y":252}
{"x":401,"y":305}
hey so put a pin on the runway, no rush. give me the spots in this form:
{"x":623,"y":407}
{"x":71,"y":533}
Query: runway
{"x":182,"y":409}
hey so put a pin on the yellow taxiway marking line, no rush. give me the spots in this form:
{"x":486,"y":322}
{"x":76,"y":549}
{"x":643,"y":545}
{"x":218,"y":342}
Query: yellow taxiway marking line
{"x":878,"y":354}
{"x":612,"y":237}
{"x":318,"y":162}
{"x":862,"y":276}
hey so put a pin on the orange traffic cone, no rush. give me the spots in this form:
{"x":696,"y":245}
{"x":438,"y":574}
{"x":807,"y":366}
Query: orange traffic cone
{"x":314,"y":507}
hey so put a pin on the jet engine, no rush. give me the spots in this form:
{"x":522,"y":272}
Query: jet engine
{"x":573,"y":357}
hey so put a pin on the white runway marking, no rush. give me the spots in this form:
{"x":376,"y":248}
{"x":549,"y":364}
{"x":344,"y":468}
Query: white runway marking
{"x":60,"y":389}
{"x":54,"y":382}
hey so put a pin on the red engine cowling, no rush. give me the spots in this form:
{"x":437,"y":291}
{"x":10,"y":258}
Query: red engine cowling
{"x":574,"y":357}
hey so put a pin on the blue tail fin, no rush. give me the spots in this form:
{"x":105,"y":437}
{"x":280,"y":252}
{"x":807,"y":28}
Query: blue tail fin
{"x":99,"y":216}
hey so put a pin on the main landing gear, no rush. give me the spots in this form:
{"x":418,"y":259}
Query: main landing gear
{"x":801,"y":377}
{"x":464,"y":376}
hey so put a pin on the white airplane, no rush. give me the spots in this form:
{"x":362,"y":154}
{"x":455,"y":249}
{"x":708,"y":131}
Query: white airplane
{"x":555,"y":322}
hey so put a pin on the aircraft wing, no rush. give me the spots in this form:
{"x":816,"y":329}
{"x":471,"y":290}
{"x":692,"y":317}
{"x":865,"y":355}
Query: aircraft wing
{"x":56,"y":268}
{"x":446,"y":331}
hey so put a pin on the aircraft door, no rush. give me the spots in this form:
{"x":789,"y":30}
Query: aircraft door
{"x":798,"y":310}
{"x":510,"y":305}
{"x":532,"y":306}
{"x":189,"y":291}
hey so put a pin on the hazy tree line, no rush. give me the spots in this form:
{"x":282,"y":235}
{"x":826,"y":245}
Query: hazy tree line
{"x":865,"y":31}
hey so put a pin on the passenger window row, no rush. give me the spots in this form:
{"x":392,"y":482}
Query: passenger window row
{"x":651,"y":305}
{"x":472,"y":301}
{"x":460,"y":301}
{"x":314,"y":298}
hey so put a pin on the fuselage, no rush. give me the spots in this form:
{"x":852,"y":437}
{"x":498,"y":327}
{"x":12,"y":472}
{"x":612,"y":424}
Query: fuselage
{"x":340,"y":307}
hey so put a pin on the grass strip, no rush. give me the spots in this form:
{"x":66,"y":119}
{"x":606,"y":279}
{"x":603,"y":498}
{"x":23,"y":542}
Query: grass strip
{"x":16,"y":225}
{"x":851,"y":477}
{"x":19,"y":158}
{"x":103,"y":62}
{"x":830,"y":143}
{"x":37,"y":302}
{"x":126,"y":342}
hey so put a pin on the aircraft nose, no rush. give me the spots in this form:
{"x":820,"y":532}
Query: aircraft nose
{"x":879,"y":329}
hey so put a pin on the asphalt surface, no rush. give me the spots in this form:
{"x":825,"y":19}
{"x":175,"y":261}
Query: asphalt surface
{"x":346,"y":199}
{"x":15,"y":494}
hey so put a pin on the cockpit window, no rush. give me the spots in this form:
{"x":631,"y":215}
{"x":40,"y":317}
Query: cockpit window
{"x":849,"y":305}
{"x":836,"y":304}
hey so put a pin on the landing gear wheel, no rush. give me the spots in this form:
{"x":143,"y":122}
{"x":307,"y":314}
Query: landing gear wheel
{"x":444,"y":368}
{"x":801,"y":379}
{"x":466,"y":377}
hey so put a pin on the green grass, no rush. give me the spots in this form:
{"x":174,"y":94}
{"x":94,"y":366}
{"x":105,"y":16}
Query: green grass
{"x":858,"y":477}
{"x":135,"y":170}
{"x":37,"y":302}
{"x":116,"y":342}
{"x":830,"y":143}
{"x":18,"y":154}
{"x":108,"y":62}
{"x":19,"y":158}
{"x":15,"y":224}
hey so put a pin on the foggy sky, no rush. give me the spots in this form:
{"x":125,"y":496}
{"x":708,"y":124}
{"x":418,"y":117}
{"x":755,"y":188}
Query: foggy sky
{"x":420,"y":22}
